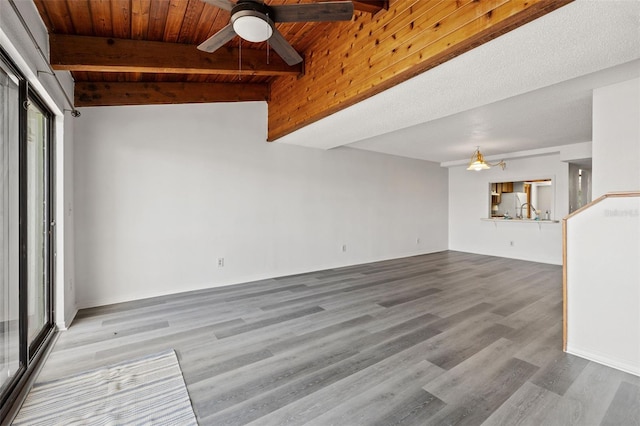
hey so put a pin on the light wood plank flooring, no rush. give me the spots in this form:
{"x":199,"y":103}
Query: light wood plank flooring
{"x":441,"y":339}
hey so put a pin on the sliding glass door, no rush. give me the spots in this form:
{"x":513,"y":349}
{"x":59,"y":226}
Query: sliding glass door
{"x":9,"y":284}
{"x":38,"y":314}
{"x":26,"y":229}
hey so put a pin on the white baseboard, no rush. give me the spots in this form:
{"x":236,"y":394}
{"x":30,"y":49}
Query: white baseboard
{"x":64,"y":325}
{"x":605,"y":360}
{"x":241,"y":279}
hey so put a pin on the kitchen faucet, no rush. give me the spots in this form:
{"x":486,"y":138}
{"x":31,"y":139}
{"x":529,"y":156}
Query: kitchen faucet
{"x":532,"y":208}
{"x":516,"y":207}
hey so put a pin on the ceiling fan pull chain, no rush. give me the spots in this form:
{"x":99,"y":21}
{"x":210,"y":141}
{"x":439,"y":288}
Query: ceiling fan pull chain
{"x":268,"y":45}
{"x":240,"y":59}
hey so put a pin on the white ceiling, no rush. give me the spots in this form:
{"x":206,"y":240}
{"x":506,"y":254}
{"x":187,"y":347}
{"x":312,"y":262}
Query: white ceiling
{"x":528,"y":89}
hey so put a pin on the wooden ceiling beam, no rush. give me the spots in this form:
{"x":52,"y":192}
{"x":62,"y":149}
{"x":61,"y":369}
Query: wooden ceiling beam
{"x":371,"y":6}
{"x":104,"y":54}
{"x":350,"y":64}
{"x":111,"y":94}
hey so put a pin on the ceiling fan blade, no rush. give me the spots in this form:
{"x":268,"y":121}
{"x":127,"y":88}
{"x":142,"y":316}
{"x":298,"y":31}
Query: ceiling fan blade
{"x":222,"y":4}
{"x":284,"y":49}
{"x":218,"y":40}
{"x":313,"y":12}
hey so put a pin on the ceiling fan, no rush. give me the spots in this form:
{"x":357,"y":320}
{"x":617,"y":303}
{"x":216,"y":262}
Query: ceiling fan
{"x":254,"y":21}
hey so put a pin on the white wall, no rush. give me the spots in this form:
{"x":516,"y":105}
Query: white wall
{"x":15,"y":40}
{"x":163,"y":191}
{"x":544,"y":198}
{"x":616,"y":138}
{"x":469,"y":201}
{"x":603,"y":283}
{"x":65,"y":210}
{"x":603,"y":241}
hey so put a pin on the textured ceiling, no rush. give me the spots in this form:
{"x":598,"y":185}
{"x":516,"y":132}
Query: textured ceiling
{"x":555,"y":115}
{"x":520,"y":91}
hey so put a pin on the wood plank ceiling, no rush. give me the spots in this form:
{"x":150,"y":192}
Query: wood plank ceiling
{"x":128,"y":52}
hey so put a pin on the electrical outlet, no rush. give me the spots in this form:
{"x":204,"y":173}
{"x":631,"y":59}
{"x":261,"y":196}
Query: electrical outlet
{"x":511,"y":243}
{"x":344,"y":247}
{"x":220,"y":262}
{"x":418,"y":240}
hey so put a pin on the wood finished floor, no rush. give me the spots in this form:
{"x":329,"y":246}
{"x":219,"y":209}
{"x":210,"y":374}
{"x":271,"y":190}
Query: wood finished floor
{"x":440,"y":339}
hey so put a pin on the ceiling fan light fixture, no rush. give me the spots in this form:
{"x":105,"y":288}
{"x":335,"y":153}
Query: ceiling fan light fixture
{"x":252,"y":28}
{"x":478,"y":163}
{"x":254,"y":21}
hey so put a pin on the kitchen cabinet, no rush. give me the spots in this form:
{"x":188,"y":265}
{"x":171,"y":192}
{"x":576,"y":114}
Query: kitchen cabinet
{"x":500,"y":187}
{"x":507,"y":186}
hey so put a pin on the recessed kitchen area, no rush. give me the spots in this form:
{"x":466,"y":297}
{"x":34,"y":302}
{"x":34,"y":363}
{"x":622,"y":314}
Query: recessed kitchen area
{"x":522,"y":200}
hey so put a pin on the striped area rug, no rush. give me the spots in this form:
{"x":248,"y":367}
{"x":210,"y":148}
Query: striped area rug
{"x":144,"y":391}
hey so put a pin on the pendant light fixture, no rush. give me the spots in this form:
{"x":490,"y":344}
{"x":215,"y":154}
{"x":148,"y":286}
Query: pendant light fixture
{"x":477,"y":162}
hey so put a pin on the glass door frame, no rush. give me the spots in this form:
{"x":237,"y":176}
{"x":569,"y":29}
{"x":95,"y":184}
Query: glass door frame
{"x":31,"y":356}
{"x":28,"y":96}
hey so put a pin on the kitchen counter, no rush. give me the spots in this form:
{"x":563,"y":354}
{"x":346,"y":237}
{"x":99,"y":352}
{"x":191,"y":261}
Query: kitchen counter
{"x":502,"y":219}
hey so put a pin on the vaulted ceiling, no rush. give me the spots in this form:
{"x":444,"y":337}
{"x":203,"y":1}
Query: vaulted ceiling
{"x":128,"y":52}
